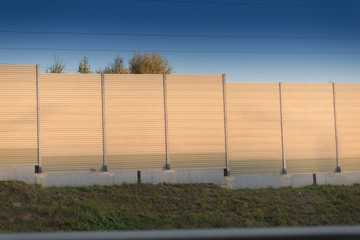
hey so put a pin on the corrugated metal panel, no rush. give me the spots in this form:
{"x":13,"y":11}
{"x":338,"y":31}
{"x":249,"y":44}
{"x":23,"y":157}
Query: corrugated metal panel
{"x":348,"y":125}
{"x":196,"y":121}
{"x":18,"y":121}
{"x":309,"y":133}
{"x":135,"y":129}
{"x":71,"y":125}
{"x":253,"y":117}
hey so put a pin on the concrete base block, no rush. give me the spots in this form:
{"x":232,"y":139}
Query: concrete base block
{"x":121,"y":177}
{"x":264,"y":181}
{"x":73,"y":179}
{"x":207,"y":176}
{"x":76,"y":179}
{"x":155,"y":176}
{"x":297,"y":180}
{"x":337,"y":178}
{"x":229,"y":182}
{"x":25,"y":173}
{"x":107,"y":178}
{"x":215,"y":176}
{"x":183,"y":176}
{"x":253,"y":182}
{"x":180,"y":176}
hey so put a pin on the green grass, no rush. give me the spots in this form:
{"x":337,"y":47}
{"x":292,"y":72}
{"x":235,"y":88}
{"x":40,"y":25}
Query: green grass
{"x":25,"y":208}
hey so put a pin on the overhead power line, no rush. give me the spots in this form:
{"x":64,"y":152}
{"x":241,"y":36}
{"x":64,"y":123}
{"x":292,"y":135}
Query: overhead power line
{"x":253,"y":4}
{"x":184,"y":51}
{"x":182,"y":35}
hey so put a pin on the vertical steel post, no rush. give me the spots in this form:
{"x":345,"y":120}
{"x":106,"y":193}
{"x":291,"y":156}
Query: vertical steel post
{"x":284,"y":170}
{"x":39,"y":157}
{"x":167,"y":157}
{"x":338,"y":168}
{"x":104,"y":167}
{"x":227,"y":170}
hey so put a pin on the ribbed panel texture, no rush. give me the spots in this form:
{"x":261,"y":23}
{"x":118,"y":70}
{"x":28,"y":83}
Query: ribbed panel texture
{"x":348,"y":125}
{"x":71,"y":125}
{"x":135,"y":128}
{"x":196,"y":121}
{"x":254,"y":132}
{"x":309,"y":134}
{"x":18,"y":124}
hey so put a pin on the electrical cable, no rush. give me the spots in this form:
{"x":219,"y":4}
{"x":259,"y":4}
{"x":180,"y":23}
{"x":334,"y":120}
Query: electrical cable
{"x":184,"y":51}
{"x":182,"y":35}
{"x":252,"y":4}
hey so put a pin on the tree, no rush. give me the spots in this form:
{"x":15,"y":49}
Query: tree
{"x":57,"y":67}
{"x":84,"y":66}
{"x":116,"y":67}
{"x":149,"y":64}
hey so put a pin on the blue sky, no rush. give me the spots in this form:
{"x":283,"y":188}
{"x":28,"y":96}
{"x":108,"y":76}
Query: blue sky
{"x":287,"y":18}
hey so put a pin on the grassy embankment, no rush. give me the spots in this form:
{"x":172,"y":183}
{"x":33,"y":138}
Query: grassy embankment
{"x":181,"y":206}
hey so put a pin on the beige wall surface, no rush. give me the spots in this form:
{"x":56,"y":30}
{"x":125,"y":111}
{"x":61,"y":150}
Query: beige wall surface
{"x":254,"y":131}
{"x":196,"y":121}
{"x":348,"y":125}
{"x":71,"y":124}
{"x":309,"y":133}
{"x":71,"y":136}
{"x":18,"y":120}
{"x":135,"y":129}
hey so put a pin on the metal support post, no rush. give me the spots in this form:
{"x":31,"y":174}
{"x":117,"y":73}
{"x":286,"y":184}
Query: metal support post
{"x":227,"y":170}
{"x":338,"y":168}
{"x":167,"y":157}
{"x":284,"y":170}
{"x":38,"y":168}
{"x":104,"y":167}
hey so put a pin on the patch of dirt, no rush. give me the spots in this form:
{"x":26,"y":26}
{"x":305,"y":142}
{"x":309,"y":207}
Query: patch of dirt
{"x":26,"y":217}
{"x":16,"y":204}
{"x":12,"y":219}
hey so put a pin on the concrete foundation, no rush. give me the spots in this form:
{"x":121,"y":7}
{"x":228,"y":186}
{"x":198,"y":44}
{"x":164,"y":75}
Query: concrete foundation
{"x":121,"y":177}
{"x":130,"y":176}
{"x":76,"y":179}
{"x":236,"y":182}
{"x":71,"y":179}
{"x":216,"y":176}
{"x":349,"y":178}
{"x":198,"y":176}
{"x":23,"y":173}
{"x":155,"y":176}
{"x":183,"y":176}
{"x":297,"y":180}
{"x":264,"y":181}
